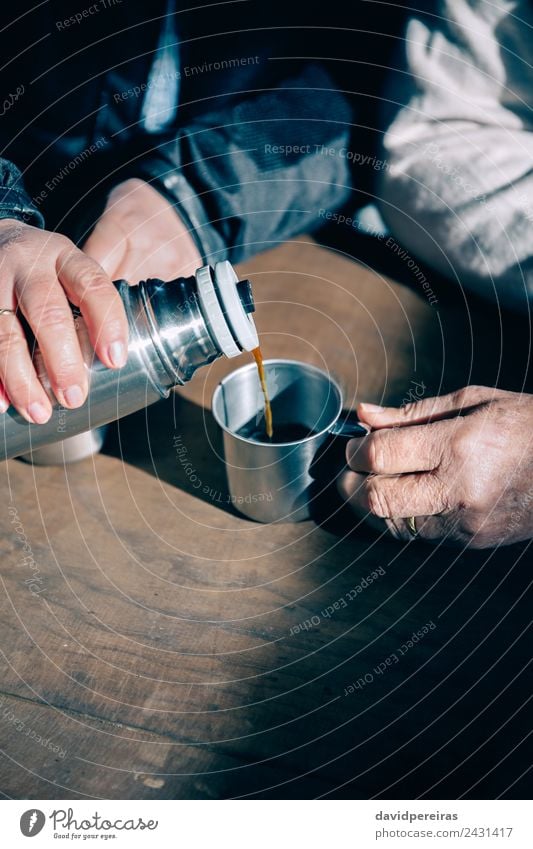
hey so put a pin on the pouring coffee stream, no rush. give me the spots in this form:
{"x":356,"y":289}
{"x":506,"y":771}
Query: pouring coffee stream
{"x":258,"y":357}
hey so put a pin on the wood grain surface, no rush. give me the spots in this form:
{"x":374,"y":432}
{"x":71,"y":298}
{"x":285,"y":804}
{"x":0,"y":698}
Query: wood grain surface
{"x":154,"y":642}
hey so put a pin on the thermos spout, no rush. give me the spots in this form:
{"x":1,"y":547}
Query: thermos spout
{"x":244,"y":288}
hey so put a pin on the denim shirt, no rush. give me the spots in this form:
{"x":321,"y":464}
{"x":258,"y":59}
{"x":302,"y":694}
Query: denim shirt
{"x":246,"y":143}
{"x":14,"y":201}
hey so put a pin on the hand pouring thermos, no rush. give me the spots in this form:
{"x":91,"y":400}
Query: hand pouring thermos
{"x":175,"y":328}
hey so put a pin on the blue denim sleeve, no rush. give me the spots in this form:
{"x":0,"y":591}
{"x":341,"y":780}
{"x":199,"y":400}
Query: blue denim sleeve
{"x":258,"y":173}
{"x":14,"y":201}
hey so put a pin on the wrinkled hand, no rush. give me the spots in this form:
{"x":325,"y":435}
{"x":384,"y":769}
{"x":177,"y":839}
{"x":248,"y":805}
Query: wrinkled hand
{"x":461,"y":463}
{"x":40,"y":272}
{"x":140,"y":235}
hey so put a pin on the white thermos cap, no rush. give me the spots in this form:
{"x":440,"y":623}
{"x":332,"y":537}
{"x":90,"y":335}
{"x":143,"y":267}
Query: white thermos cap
{"x":230,"y":325}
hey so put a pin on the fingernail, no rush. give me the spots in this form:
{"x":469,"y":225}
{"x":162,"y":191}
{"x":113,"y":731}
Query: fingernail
{"x":4,"y":405}
{"x":74,"y":396}
{"x":372,"y":408}
{"x":117,"y":354}
{"x":38,"y":413}
{"x":364,"y":431}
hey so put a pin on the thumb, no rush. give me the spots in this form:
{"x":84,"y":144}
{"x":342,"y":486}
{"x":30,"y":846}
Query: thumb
{"x":426,"y":409}
{"x":107,"y":244}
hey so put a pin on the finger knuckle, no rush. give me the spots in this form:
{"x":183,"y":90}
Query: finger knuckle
{"x":109,"y":330}
{"x":54,"y":246}
{"x":378,"y":451}
{"x":411,"y":409}
{"x":468,"y":395}
{"x":378,"y":502}
{"x":475,"y":392}
{"x":460,"y":397}
{"x":18,"y":387}
{"x":95,"y":282}
{"x":51,"y":316}
{"x":65,"y":374}
{"x":463,"y":445}
{"x":441,"y":493}
{"x":62,"y":243}
{"x":11,"y":344}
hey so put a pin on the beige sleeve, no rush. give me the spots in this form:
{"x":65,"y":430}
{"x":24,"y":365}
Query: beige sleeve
{"x":457,"y":189}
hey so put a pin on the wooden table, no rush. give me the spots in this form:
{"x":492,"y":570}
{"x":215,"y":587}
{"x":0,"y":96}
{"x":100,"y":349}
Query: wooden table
{"x":155,"y":644}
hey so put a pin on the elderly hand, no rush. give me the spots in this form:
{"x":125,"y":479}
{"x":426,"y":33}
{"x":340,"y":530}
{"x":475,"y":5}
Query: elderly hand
{"x":140,"y":235}
{"x":462,"y":464}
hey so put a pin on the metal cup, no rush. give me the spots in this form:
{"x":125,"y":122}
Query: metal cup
{"x":272,"y":482}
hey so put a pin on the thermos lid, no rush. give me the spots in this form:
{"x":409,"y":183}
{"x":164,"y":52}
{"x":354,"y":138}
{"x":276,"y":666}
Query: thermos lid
{"x":227,"y":317}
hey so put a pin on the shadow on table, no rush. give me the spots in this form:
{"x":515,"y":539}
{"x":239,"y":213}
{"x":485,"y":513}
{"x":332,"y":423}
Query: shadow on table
{"x":178,"y":442}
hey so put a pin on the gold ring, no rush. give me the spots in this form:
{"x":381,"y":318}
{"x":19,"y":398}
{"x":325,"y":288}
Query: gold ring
{"x":5,"y":311}
{"x":411,"y":526}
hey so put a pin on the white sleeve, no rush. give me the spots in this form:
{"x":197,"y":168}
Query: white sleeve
{"x":457,"y":188}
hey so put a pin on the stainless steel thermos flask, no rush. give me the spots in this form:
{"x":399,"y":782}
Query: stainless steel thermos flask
{"x":175,"y":328}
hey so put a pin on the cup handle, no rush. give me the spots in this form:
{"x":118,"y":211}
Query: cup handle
{"x":349,"y":430}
